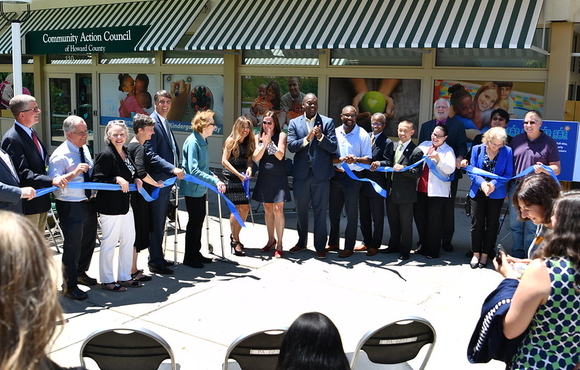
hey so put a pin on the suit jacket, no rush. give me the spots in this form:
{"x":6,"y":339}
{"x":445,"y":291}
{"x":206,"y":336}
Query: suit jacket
{"x":109,"y":165}
{"x":160,"y":144}
{"x":382,"y":150}
{"x":10,"y":192}
{"x":317,"y":154}
{"x":30,"y":166}
{"x":456,"y":138}
{"x":504,"y":167}
{"x":403,"y":185}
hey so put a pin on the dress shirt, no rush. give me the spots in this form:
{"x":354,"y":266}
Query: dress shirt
{"x":29,"y":133}
{"x":357,"y":142}
{"x":65,"y":159}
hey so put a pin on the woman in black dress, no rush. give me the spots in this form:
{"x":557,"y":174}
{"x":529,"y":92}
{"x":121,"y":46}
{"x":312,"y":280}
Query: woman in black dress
{"x":237,"y":162}
{"x":272,"y":184}
{"x":143,"y":126}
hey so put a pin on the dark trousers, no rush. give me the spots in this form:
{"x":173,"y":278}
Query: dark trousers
{"x":196,"y":212}
{"x":158,"y":215}
{"x":307,"y":191}
{"x":449,"y":213}
{"x":78,"y":221}
{"x":428,"y":212}
{"x":484,"y":222}
{"x":400,"y":216}
{"x":344,"y":191}
{"x":372,"y":218}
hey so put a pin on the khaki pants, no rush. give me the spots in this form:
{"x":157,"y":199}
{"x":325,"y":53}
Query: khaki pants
{"x":39,"y":220}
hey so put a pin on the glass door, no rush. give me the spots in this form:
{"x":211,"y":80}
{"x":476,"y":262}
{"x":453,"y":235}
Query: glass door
{"x":70,"y":95}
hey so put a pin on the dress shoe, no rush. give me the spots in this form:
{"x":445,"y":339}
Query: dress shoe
{"x":404,"y":256}
{"x":321,"y":254}
{"x":269,"y":246}
{"x":297,"y":248}
{"x":372,"y":251}
{"x":203,"y":259}
{"x":75,"y":293}
{"x":345,"y":253}
{"x":360,"y":248}
{"x":168,"y":263}
{"x":163,"y":270}
{"x":389,"y":250}
{"x":474,"y":263}
{"x":278,"y":254}
{"x":86,"y":280}
{"x":194,"y":264}
{"x":331,"y":248}
{"x":447,"y":247}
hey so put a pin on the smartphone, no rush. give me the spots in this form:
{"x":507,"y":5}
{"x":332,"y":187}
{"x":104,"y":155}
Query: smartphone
{"x":498,"y":251}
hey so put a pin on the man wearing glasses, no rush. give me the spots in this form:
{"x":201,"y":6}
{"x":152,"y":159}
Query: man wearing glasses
{"x":165,"y":151}
{"x":76,"y":209}
{"x":30,"y":157}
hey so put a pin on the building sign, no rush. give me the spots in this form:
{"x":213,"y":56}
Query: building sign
{"x":84,"y":40}
{"x":565,"y":133}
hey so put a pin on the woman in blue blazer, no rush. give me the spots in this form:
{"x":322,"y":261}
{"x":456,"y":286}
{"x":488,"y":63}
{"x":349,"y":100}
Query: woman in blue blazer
{"x":488,"y":194}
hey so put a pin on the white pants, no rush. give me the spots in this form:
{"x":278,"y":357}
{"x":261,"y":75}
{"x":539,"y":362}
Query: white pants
{"x":121,"y":229}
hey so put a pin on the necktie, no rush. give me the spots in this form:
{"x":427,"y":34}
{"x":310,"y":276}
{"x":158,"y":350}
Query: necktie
{"x":170,"y":137}
{"x":87,"y":178}
{"x":398,"y":152}
{"x":373,"y":140}
{"x":36,"y":142}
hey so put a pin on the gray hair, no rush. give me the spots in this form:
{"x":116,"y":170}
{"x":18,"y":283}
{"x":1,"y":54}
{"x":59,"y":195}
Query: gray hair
{"x":116,"y":122}
{"x":19,"y":103}
{"x":443,"y":100}
{"x":381,"y":117}
{"x":68,"y":125}
{"x":497,"y":133}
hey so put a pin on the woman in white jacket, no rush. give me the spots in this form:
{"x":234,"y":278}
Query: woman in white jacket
{"x":433,"y":190}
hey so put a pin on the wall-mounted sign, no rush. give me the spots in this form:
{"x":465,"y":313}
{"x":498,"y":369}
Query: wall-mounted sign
{"x":84,"y":40}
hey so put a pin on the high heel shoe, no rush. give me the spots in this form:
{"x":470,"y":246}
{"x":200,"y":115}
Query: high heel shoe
{"x":238,"y":252}
{"x":278,"y":254}
{"x":482,"y":264}
{"x":474,"y":262}
{"x":269,"y":246}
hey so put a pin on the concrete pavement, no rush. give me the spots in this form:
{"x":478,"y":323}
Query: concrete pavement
{"x":199,"y":312}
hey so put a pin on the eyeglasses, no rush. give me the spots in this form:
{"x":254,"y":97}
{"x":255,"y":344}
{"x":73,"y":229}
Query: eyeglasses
{"x":82,"y":133}
{"x":267,"y":122}
{"x":348,"y":114}
{"x":530,"y":122}
{"x":116,"y":122}
{"x":35,"y":109}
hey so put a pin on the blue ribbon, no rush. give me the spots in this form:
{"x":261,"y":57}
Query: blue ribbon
{"x":143,"y":192}
{"x":503,"y":180}
{"x":376,"y":187}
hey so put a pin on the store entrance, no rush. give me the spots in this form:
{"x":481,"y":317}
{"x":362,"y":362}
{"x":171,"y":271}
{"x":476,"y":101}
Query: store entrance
{"x":70,"y":94}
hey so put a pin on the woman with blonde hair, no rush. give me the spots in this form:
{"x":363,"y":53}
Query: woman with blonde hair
{"x":196,"y":163}
{"x":29,"y":307}
{"x":237,"y":162}
{"x":272,"y":184}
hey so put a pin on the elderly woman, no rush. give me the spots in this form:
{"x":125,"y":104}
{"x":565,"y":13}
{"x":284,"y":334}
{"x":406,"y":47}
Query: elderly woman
{"x":196,"y":163}
{"x":545,"y":304}
{"x":272,"y":185}
{"x":237,"y":162}
{"x":30,"y":308}
{"x":433,"y":192}
{"x":533,"y":200}
{"x":114,"y":165}
{"x":531,"y":148}
{"x":488,"y":194}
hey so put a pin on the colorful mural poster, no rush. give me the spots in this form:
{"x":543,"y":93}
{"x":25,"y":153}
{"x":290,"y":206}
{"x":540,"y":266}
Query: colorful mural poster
{"x":123,"y":95}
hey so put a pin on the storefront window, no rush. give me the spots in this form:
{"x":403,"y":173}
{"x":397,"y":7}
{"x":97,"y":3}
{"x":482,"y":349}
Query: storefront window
{"x":376,"y":57}
{"x":130,"y":58}
{"x":501,"y":58}
{"x":69,"y":59}
{"x":282,"y":57}
{"x":7,"y":59}
{"x":184,"y":57}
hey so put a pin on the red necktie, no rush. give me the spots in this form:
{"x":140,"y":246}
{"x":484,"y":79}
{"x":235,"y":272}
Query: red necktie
{"x":36,"y":142}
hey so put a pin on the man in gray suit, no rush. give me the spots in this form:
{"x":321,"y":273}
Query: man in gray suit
{"x":312,"y":139}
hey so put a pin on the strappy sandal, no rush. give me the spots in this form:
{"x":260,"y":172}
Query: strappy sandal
{"x":139,"y":276}
{"x":113,"y":287}
{"x":130,"y":283}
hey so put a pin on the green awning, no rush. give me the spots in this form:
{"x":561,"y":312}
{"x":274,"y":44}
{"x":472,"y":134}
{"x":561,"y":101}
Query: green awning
{"x":167,"y":21}
{"x":358,"y":24}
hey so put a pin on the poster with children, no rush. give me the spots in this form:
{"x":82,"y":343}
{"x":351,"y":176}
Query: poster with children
{"x":123,"y":95}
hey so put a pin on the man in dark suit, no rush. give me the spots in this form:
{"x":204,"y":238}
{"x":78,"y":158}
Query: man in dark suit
{"x":403,"y":191}
{"x":163,"y":144}
{"x":30,"y":157}
{"x":312,"y":138}
{"x":372,"y":204}
{"x":11,"y":194}
{"x":76,"y":208}
{"x":458,"y":142}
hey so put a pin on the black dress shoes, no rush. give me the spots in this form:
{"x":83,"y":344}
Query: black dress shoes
{"x":75,"y":293}
{"x":194,"y":264}
{"x":167,"y":263}
{"x":404,"y":256}
{"x":162,"y":269}
{"x":388,"y":250}
{"x":447,"y":247}
{"x":86,"y":280}
{"x":203,"y":259}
